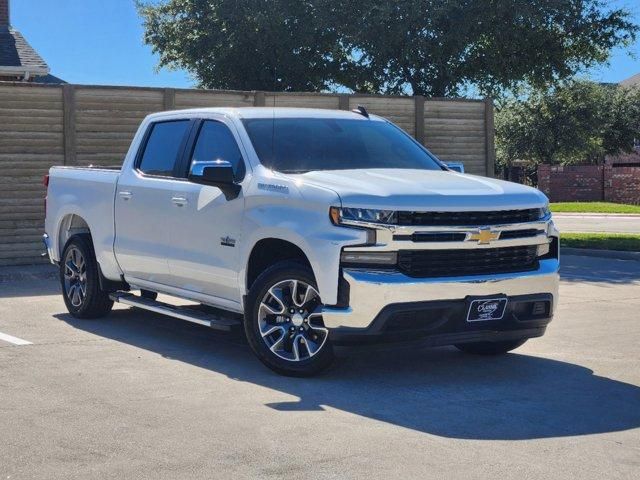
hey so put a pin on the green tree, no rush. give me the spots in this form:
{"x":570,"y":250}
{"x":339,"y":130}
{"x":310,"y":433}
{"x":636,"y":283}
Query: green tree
{"x":576,"y":122}
{"x":278,"y":45}
{"x":424,"y":47}
{"x":435,"y":47}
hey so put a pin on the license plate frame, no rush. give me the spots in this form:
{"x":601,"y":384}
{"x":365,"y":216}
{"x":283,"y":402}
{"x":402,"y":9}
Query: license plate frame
{"x":486,"y":309}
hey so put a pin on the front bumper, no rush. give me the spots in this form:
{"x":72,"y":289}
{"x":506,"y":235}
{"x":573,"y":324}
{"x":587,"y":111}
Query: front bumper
{"x":372,"y":292}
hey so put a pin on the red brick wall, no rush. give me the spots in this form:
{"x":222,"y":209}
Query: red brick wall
{"x":622,"y":184}
{"x":612,"y":182}
{"x":576,"y":183}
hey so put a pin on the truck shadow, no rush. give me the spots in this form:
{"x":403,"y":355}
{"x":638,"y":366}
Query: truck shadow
{"x":436,"y":391}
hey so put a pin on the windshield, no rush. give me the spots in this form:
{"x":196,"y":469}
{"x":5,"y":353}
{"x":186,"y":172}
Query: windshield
{"x":297,"y":145}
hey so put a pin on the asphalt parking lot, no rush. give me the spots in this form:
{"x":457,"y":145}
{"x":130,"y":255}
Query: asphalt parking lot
{"x":137,"y":395}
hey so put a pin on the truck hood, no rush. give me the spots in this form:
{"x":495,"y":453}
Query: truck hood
{"x":405,"y":189}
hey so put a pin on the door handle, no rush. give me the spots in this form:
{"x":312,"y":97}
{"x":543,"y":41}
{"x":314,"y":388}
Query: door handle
{"x":179,"y":201}
{"x":125,"y":195}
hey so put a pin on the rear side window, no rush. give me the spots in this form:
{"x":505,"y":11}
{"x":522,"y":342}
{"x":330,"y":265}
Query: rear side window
{"x":162,"y":148}
{"x":216,"y":142}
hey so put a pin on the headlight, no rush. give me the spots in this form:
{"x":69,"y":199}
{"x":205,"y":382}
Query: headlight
{"x":545,"y":211}
{"x":362,"y":216}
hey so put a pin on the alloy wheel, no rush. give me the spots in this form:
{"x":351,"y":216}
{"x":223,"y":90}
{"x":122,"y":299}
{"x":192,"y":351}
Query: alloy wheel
{"x":290,"y":320}
{"x":75,"y":277}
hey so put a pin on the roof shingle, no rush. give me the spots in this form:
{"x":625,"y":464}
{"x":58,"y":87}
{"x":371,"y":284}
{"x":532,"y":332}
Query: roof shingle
{"x":16,"y":52}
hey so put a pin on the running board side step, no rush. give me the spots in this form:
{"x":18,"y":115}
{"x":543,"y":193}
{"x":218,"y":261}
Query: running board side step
{"x":183,"y":313}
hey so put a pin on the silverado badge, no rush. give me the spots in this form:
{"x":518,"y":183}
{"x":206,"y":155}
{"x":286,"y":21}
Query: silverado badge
{"x":227,"y":241}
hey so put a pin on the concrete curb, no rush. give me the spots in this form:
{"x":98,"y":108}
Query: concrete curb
{"x":592,"y":252}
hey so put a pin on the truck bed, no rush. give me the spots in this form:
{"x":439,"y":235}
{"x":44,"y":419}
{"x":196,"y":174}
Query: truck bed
{"x":83,"y":196}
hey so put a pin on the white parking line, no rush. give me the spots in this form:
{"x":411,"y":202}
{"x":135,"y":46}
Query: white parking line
{"x":14,"y":340}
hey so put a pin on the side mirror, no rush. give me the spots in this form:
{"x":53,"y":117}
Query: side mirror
{"x":217,"y":173}
{"x":455,"y":166}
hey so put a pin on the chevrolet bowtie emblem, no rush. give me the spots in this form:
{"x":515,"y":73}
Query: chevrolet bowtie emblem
{"x":484,"y":236}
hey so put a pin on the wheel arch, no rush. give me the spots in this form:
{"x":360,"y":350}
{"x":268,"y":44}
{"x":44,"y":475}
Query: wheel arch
{"x":269,"y":251}
{"x":71,"y":224}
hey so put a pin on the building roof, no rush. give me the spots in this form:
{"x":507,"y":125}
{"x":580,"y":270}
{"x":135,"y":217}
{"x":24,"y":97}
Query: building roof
{"x":17,"y":57}
{"x":631,"y":81}
{"x":50,"y":79}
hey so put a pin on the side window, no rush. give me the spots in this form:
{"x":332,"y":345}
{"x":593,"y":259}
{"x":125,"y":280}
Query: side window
{"x":216,"y":142}
{"x":163,"y":144}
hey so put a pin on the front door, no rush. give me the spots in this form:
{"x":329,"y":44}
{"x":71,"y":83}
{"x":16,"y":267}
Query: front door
{"x":206,"y":228}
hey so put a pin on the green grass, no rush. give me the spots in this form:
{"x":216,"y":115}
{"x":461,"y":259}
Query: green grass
{"x":594,"y":207}
{"x":601,"y":241}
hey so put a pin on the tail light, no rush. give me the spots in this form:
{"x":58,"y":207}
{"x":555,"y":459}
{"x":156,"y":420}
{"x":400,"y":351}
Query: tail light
{"x":45,"y":182}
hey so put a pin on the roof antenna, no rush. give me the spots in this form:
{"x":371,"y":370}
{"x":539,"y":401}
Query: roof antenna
{"x":360,"y":110}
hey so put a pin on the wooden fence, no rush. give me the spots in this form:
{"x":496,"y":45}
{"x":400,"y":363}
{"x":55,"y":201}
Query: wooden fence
{"x":43,"y":125}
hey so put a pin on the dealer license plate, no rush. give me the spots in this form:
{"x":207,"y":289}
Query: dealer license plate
{"x":482,"y":309}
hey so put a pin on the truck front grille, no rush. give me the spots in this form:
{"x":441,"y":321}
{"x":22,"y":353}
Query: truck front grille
{"x":461,"y":262}
{"x":469,"y":219}
{"x":513,"y":234}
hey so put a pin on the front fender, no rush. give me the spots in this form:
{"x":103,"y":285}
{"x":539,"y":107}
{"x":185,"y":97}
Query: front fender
{"x":310,"y":229}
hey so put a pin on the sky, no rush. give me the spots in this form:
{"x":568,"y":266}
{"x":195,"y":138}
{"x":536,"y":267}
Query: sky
{"x":92,"y":42}
{"x":100,"y":42}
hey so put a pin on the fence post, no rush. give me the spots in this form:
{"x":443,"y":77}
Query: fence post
{"x":69,"y":123}
{"x":258,"y":99}
{"x":169,"y":100}
{"x":343,"y":102}
{"x":490,"y":132}
{"x":419,"y":118}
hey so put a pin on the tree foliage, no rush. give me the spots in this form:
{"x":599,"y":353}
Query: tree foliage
{"x":438,"y":46}
{"x":576,"y":122}
{"x":424,"y":47}
{"x":276,"y":45}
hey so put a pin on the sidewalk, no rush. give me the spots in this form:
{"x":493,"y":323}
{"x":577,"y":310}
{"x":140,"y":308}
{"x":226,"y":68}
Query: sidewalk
{"x":596,"y":222}
{"x":595,"y":214}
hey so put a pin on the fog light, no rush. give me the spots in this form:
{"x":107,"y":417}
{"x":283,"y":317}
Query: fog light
{"x":543,"y":250}
{"x":539,"y":308}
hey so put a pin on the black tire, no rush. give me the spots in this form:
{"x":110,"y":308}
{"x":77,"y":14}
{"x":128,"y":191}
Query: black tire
{"x":490,"y":348}
{"x":95,"y":302}
{"x":280,"y":272}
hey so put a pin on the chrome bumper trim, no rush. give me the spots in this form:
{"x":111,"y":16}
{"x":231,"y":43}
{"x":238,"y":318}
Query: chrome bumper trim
{"x":370,"y":291}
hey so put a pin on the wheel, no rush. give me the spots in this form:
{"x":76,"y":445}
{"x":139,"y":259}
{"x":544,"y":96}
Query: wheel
{"x":490,"y":348}
{"x":283,"y":321}
{"x":148,"y":294}
{"x":80,"y":282}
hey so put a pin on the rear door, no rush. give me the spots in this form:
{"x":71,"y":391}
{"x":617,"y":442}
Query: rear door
{"x":145,"y":200}
{"x":206,"y":228}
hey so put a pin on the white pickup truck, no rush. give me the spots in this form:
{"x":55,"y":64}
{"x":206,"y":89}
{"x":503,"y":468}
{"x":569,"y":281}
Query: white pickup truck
{"x":312,"y":229}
